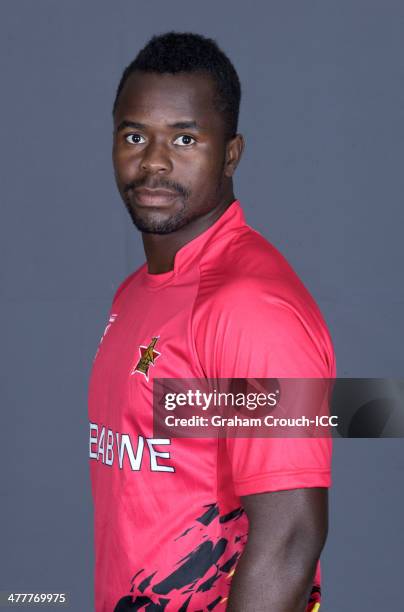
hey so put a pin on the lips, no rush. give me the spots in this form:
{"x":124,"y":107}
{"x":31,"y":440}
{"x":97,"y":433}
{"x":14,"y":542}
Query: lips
{"x":154,"y":197}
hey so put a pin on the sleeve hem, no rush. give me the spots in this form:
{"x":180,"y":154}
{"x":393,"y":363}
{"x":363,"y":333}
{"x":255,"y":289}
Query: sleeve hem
{"x":281,"y":481}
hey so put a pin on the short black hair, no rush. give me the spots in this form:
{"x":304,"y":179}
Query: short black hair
{"x":175,"y":52}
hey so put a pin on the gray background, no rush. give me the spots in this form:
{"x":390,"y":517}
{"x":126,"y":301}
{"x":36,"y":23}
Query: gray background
{"x":322,"y":113}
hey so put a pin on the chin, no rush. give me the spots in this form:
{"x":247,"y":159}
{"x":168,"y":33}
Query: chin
{"x":158,"y":222}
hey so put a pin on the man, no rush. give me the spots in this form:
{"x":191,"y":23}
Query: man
{"x":214,"y":300}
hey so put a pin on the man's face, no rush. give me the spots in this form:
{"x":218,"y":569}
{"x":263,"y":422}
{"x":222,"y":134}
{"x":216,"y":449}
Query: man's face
{"x":169,"y":149}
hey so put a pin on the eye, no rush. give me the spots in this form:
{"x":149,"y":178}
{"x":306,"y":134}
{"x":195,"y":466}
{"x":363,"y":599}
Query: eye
{"x":135,"y":139}
{"x":184,"y":140}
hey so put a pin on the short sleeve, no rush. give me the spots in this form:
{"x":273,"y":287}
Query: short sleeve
{"x":246,"y":332}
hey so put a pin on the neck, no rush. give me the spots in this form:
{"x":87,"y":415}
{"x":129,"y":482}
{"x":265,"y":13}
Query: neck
{"x":160,"y":250}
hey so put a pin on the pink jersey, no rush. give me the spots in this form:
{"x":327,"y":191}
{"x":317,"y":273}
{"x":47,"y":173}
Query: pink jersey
{"x":169,"y":520}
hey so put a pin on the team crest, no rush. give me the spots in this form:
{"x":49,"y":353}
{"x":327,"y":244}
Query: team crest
{"x":148,"y":356}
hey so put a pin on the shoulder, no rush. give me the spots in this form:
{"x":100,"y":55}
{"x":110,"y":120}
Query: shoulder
{"x":250,"y":273}
{"x":127,"y":282}
{"x":252,"y":296}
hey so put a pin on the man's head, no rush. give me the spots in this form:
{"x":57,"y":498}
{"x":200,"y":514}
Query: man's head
{"x":175,"y":130}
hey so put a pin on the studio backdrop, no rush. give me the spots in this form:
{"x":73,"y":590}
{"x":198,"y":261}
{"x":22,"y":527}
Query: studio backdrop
{"x":321,"y":178}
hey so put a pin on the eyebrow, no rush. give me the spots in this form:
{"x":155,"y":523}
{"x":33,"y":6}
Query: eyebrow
{"x":179,"y":125}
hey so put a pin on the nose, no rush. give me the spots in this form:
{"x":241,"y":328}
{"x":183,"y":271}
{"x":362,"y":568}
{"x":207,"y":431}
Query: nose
{"x":156,"y":158}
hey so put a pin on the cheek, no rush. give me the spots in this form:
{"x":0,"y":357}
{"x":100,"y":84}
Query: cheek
{"x":124,"y":165}
{"x":202,"y":171}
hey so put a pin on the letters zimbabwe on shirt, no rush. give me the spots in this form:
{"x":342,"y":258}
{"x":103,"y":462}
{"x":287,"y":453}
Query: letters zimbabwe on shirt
{"x":106,"y":447}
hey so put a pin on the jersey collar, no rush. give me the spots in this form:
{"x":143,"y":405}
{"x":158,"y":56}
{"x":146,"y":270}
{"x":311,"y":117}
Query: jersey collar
{"x":187,"y":256}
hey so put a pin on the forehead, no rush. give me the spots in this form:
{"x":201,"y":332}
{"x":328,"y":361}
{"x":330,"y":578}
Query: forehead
{"x":168,"y":98}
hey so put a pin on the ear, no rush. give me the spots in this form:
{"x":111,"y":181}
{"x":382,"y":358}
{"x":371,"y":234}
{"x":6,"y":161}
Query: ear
{"x":234,"y":151}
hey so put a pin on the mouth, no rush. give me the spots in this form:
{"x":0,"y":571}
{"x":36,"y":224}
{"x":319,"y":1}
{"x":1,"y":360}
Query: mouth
{"x":154,"y":197}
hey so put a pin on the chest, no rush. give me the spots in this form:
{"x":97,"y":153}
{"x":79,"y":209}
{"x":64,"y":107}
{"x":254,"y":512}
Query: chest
{"x":148,"y":336}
